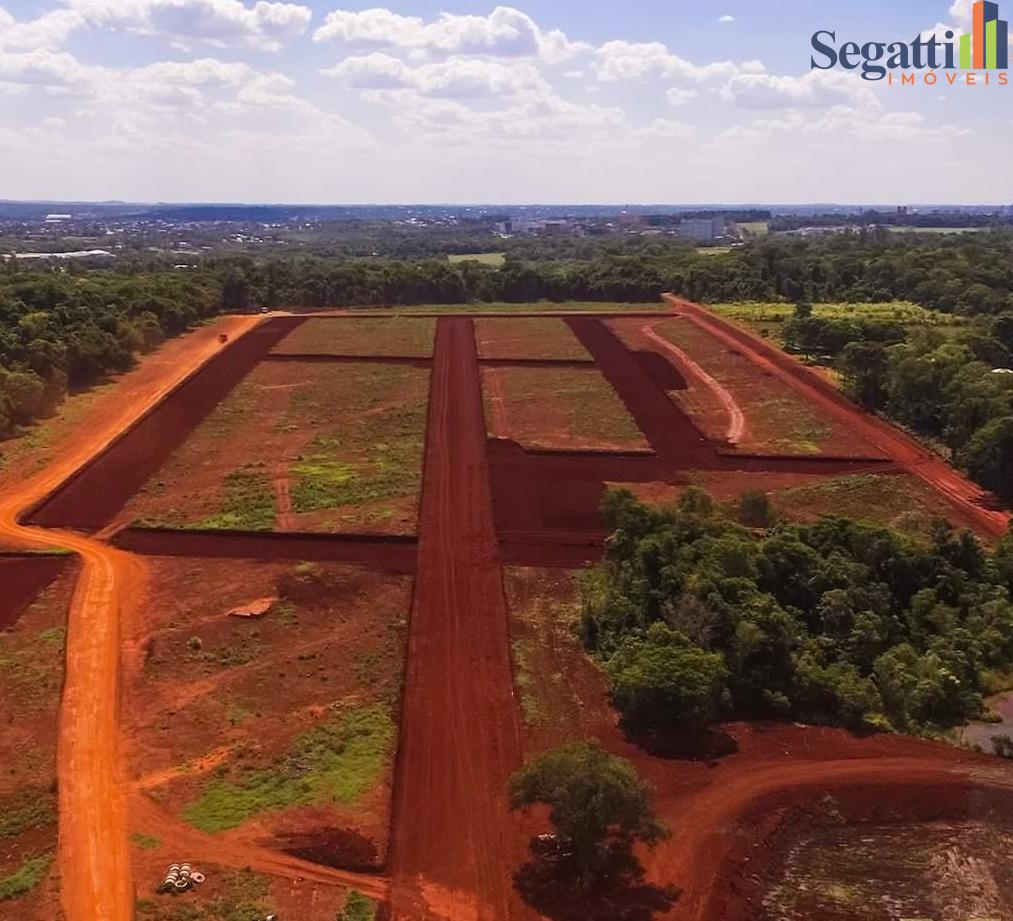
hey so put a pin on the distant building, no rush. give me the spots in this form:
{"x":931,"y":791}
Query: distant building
{"x":58,"y":218}
{"x":702,"y":229}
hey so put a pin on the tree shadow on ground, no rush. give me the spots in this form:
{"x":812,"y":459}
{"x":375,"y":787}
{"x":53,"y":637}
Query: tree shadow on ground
{"x":620,"y":893}
{"x":710,"y":745}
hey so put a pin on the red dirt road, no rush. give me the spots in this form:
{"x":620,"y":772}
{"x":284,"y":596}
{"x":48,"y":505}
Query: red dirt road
{"x":903,"y":450}
{"x":94,"y":853}
{"x":454,"y":843}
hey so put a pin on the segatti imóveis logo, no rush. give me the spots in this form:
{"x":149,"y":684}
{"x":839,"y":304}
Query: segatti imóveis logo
{"x":976,"y":58}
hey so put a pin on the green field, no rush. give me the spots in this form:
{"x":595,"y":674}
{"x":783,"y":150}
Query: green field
{"x":754,"y":228}
{"x":496,"y":260}
{"x":769,"y":318}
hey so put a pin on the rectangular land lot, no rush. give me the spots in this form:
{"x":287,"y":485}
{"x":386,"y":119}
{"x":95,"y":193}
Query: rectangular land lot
{"x":558,"y":408}
{"x":286,"y":724}
{"x":300,"y":447}
{"x":361,"y":337}
{"x":777,"y":418}
{"x":527,"y":338}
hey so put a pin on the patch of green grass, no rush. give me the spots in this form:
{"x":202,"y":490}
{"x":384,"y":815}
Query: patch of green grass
{"x":495,"y":260}
{"x":23,"y":880}
{"x":532,"y":705}
{"x":32,"y":807}
{"x":247,"y":504}
{"x":336,"y":761}
{"x":363,"y":336}
{"x":392,"y":469}
{"x":146,"y":842}
{"x":357,"y":907}
{"x":243,"y":897}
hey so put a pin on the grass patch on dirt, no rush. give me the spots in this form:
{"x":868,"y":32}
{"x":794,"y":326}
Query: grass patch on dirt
{"x":240,"y":895}
{"x":28,"y":808}
{"x":247,"y":504}
{"x":570,"y":408}
{"x":32,"y":670}
{"x":361,"y":336}
{"x":902,"y":502}
{"x":336,"y":761}
{"x":504,"y":307}
{"x":23,"y":880}
{"x":527,"y":337}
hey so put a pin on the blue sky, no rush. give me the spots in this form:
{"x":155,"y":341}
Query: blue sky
{"x":462,"y":101}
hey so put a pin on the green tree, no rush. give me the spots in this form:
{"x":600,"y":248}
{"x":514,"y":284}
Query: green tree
{"x":989,"y":456}
{"x":864,"y":367}
{"x":596,"y":801}
{"x":664,"y":682}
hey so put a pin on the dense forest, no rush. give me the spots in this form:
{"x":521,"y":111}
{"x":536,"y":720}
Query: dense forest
{"x":60,"y":331}
{"x":696,"y":618}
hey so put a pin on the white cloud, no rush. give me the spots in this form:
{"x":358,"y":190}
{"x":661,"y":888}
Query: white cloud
{"x":665,"y":129}
{"x":455,"y":78}
{"x":623,"y":60}
{"x":815,"y":89}
{"x":48,"y":31}
{"x":222,"y":23}
{"x":679,"y":97}
{"x":505,"y":32}
{"x":42,"y":68}
{"x":726,"y":18}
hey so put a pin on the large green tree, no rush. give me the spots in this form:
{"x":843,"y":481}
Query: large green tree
{"x":596,"y":801}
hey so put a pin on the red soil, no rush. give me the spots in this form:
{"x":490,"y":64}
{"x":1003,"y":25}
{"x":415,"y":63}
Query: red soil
{"x":93,"y":496}
{"x":454,"y":843}
{"x":892,"y":442}
{"x":388,"y":554}
{"x":22,"y":579}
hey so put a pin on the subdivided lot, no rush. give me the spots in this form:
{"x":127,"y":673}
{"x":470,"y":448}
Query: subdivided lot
{"x":300,"y":447}
{"x":361,"y":336}
{"x":509,"y":307}
{"x":900,"y":501}
{"x":31,"y":678}
{"x":777,"y":419}
{"x":558,"y":408}
{"x":561,"y":691}
{"x":527,"y":337}
{"x":278,"y":729}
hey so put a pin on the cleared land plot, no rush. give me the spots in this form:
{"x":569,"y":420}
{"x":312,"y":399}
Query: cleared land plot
{"x":558,"y":408}
{"x":768,"y":319}
{"x":496,"y":260}
{"x":300,"y":447}
{"x":527,"y":337}
{"x":361,"y":336}
{"x":900,"y":501}
{"x":778,"y":419}
{"x":282,"y":728}
{"x":508,"y":307}
{"x":561,"y":691}
{"x":32,"y":652}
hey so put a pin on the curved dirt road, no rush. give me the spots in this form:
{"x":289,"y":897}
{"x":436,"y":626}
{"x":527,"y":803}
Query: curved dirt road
{"x":94,"y":854}
{"x":736,"y":418}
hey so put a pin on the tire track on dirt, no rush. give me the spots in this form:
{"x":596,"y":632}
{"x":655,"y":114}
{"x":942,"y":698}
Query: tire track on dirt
{"x":736,"y":418}
{"x":94,"y":859}
{"x":454,"y":844}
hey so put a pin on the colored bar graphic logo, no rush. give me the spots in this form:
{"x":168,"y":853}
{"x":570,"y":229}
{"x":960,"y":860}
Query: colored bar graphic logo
{"x":986,"y":47}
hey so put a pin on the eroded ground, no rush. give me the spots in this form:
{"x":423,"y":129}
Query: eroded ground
{"x":278,"y":730}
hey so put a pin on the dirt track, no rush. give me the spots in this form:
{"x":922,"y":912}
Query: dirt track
{"x":899,"y":447}
{"x":453,"y":840}
{"x":94,"y":853}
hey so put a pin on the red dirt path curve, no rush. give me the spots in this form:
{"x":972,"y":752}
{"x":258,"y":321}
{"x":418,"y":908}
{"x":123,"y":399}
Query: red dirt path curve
{"x":454,"y":844}
{"x":903,"y":450}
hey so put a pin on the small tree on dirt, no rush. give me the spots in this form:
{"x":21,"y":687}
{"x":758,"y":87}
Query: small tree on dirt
{"x":597,"y":802}
{"x":1002,"y":745}
{"x":755,"y":510}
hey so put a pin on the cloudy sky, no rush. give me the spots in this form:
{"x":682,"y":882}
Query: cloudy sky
{"x":456,"y":101}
